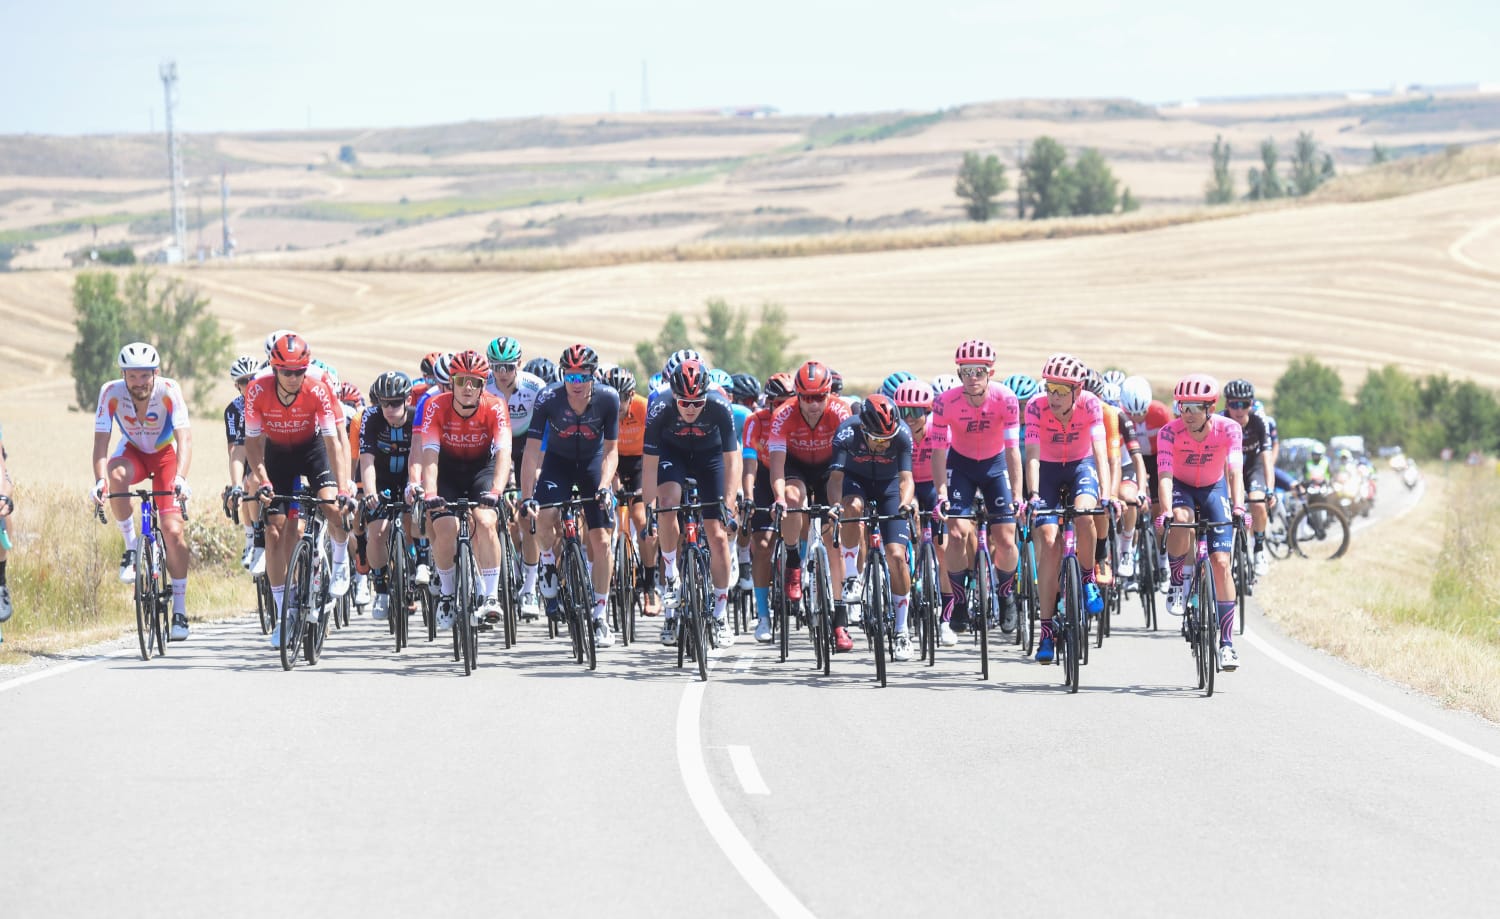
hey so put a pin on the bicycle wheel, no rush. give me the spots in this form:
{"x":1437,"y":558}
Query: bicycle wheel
{"x":295,"y":599}
{"x":1145,"y":571}
{"x":1240,"y":568}
{"x":1112,"y":590}
{"x":821,"y":605}
{"x":161,"y":588}
{"x":396,"y":605}
{"x":265,"y":604}
{"x":1073,"y":628}
{"x":1028,"y":589}
{"x":317,"y":632}
{"x":701,"y":614}
{"x":582,"y":603}
{"x":1208,"y":628}
{"x":1278,"y":541}
{"x":780,"y":605}
{"x":145,"y":605}
{"x":929,"y":601}
{"x":463,"y":607}
{"x":1319,"y":532}
{"x":981,"y":611}
{"x":877,"y":606}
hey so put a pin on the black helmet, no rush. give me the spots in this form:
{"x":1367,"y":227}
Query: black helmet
{"x":1094,"y":382}
{"x":622,"y":380}
{"x":746,"y":388}
{"x":1239,"y":389}
{"x":837,"y":381}
{"x":391,"y":385}
{"x":541,"y":367}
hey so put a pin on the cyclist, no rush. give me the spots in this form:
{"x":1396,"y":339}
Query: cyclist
{"x":543,"y":369}
{"x":465,"y":456}
{"x":1117,"y":449}
{"x":581,"y":423}
{"x":1200,"y":463}
{"x":1315,"y":468}
{"x":662,"y":387}
{"x":872,"y":465}
{"x":981,"y":461}
{"x":893,"y":382}
{"x":1024,"y":386}
{"x":292,"y":432}
{"x":157,"y":443}
{"x":7,"y":505}
{"x":757,"y":462}
{"x":801,"y":447}
{"x":424,"y":382}
{"x":628,"y":476}
{"x":385,"y":433}
{"x":744,"y":393}
{"x":242,"y":371}
{"x":691,"y":436}
{"x":1259,"y":465}
{"x":1065,"y":452}
{"x":518,"y":389}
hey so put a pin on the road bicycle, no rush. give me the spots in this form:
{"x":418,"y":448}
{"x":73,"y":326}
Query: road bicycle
{"x":1148,"y":572}
{"x":694,"y":579}
{"x":982,"y":595}
{"x":926,"y":592}
{"x":1242,"y":566}
{"x":1200,"y":622}
{"x":878,"y":607}
{"x":402,"y":594}
{"x":1028,"y":604}
{"x":626,"y":601}
{"x":817,"y":583}
{"x":307,"y":599}
{"x":1071,"y":640}
{"x":575,"y":592}
{"x":1318,"y":528}
{"x":153,"y":587}
{"x":465,"y":600}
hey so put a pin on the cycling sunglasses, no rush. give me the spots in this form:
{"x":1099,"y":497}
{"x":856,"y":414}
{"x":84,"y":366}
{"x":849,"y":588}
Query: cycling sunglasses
{"x":291,"y":373}
{"x":468,"y":383}
{"x":505,"y":368}
{"x":912,"y":411}
{"x":392,"y":403}
{"x":1060,"y":389}
{"x":1240,"y":404}
{"x":814,"y":397}
{"x":691,"y":403}
{"x":1192,"y":408}
{"x":973,"y":372}
{"x":577,"y":377}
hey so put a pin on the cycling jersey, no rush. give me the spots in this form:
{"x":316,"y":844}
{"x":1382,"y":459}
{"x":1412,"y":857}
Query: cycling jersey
{"x":310,"y":415}
{"x":521,"y":402}
{"x":1255,"y":435}
{"x":933,"y":440}
{"x":853,"y":455}
{"x":1199,"y":463}
{"x":757,"y":436}
{"x":388,"y":447}
{"x":979,"y":431}
{"x":742,"y":415}
{"x":1112,"y":439}
{"x":711,"y":433}
{"x":151,"y":430}
{"x":1065,"y":443}
{"x":234,"y":422}
{"x":633,"y":427}
{"x":1148,"y":425}
{"x":575,"y":436}
{"x":470,"y":439}
{"x":809,"y":445}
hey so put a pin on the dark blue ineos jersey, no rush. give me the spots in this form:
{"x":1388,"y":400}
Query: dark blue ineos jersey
{"x":852,"y":454}
{"x":576,"y":437}
{"x":712,"y":432}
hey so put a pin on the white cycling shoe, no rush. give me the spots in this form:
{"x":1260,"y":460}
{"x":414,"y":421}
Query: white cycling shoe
{"x":258,"y":561}
{"x":338,"y":585}
{"x":721,"y":635}
{"x":1229,"y":659}
{"x":903,"y":648}
{"x":1176,"y":600}
{"x":379,"y":606}
{"x":603,"y":637}
{"x":763,"y":629}
{"x":947,"y":636}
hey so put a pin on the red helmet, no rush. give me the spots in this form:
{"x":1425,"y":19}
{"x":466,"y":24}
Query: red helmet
{"x":469,"y":364}
{"x":1197,"y":387}
{"x":779,"y":387}
{"x":290,"y":353}
{"x":349,"y":394}
{"x":690,"y":380}
{"x":914,"y":394}
{"x":975,"y":351}
{"x":1064,"y":368}
{"x":813,"y":379}
{"x":878,"y":417}
{"x":429,"y":362}
{"x":578,"y":359}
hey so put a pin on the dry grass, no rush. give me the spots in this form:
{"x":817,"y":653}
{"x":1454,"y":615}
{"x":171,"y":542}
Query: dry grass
{"x":1413,"y":174}
{"x":1386,"y":616}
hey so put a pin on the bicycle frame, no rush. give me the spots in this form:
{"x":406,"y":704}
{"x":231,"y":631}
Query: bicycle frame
{"x":152,"y":590}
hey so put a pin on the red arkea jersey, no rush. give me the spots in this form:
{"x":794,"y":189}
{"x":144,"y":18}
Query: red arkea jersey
{"x":467,"y":440}
{"x":810,"y":446}
{"x":312,"y":413}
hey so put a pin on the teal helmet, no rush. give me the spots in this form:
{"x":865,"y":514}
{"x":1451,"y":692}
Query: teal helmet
{"x":721,"y":379}
{"x":890,"y":384}
{"x":1023,"y":385}
{"x":504,"y":350}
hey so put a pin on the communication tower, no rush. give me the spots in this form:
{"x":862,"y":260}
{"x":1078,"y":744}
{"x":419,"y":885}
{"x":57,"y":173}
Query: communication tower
{"x":174,"y":158}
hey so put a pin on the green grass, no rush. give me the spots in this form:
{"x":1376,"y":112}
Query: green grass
{"x":877,"y":131}
{"x":1464,"y":597}
{"x":28,"y":235}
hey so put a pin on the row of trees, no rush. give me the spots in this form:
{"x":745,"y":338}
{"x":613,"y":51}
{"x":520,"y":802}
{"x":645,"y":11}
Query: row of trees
{"x":1311,"y":167}
{"x":1050,"y":185}
{"x":170,"y":315}
{"x":1422,"y":414}
{"x":726,"y":340}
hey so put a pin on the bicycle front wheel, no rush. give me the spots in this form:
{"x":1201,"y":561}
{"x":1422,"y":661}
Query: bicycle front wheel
{"x":295,"y":599}
{"x":877,"y":606}
{"x":1208,"y":628}
{"x":820,"y":607}
{"x":145,"y":604}
{"x":463,"y":608}
{"x":1319,"y":532}
{"x":581,"y":605}
{"x":1073,"y":629}
{"x":981,"y":611}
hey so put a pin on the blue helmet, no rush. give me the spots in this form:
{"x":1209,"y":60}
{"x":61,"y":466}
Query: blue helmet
{"x":721,"y":379}
{"x":889,"y":385}
{"x":656,"y":381}
{"x":1023,"y":385}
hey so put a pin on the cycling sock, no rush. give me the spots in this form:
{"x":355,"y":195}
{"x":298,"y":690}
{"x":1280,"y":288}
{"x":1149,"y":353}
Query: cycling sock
{"x":260,"y":536}
{"x":649,"y":580}
{"x":1088,"y":575}
{"x":947,"y":607}
{"x":129,"y":531}
{"x":793,"y":557}
{"x":1007,"y":583}
{"x":1101,"y":550}
{"x":341,"y":552}
{"x":851,"y":561}
{"x":377,"y":576}
{"x":489,"y":579}
{"x":903,"y":603}
{"x":548,"y":558}
{"x":1226,"y":621}
{"x":744,"y":555}
{"x":179,"y":596}
{"x":669,"y":565}
{"x":249,"y":532}
{"x":762,"y":597}
{"x":1179,"y":568}
{"x":1046,"y":629}
{"x":960,"y":588}
{"x":445,"y":581}
{"x":528,"y":581}
{"x":278,"y":594}
{"x":1260,"y":542}
{"x":721,"y":603}
{"x":601,"y":606}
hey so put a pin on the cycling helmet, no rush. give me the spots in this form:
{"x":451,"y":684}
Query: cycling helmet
{"x":913,"y":394}
{"x":1116,"y":377}
{"x":329,"y":371}
{"x":835,"y":381}
{"x":442,"y":370}
{"x":139,"y":355}
{"x":543,"y":368}
{"x":676,"y":359}
{"x":623,"y":382}
{"x":393,"y":384}
{"x":272,"y":338}
{"x":690,"y":381}
{"x":578,"y":359}
{"x":601,"y":373}
{"x":504,"y":350}
{"x":1197,"y":387}
{"x":721,"y":379}
{"x":1022,"y":385}
{"x":1135,"y":395}
{"x":878,"y":417}
{"x":1111,"y":393}
{"x":746,"y":388}
{"x":1094,"y":383}
{"x":656,"y":382}
{"x":1064,"y":368}
{"x":243,"y":367}
{"x":944,"y":382}
{"x":813,"y":379}
{"x":429,"y":362}
{"x":1239,"y":389}
{"x":779,"y":387}
{"x":350,"y":395}
{"x":1317,"y":450}
{"x":1259,"y":407}
{"x":890,"y":384}
{"x":469,"y":364}
{"x":975,"y":351}
{"x":290,"y":353}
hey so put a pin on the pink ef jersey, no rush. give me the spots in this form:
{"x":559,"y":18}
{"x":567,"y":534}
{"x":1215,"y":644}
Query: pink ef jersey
{"x":979,"y":432}
{"x":921,"y":459}
{"x":1068,"y":443}
{"x":1198,"y":463}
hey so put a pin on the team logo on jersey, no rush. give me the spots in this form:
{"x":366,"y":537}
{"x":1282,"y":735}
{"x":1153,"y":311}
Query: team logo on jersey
{"x":977,"y":426}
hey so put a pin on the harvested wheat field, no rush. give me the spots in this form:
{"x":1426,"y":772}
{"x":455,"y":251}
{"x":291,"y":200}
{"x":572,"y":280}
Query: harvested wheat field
{"x":1413,"y":281}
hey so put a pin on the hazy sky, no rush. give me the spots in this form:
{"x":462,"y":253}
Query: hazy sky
{"x":80,"y":66}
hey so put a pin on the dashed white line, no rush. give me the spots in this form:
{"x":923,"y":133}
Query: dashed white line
{"x":746,"y":770}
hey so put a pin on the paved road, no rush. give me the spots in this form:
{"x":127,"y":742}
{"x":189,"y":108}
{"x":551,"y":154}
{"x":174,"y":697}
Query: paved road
{"x":376,"y":784}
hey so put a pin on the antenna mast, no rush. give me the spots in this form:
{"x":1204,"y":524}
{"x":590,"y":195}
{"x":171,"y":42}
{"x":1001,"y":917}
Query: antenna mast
{"x":174,"y":158}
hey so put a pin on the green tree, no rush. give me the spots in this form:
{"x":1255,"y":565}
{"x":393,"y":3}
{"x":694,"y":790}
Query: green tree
{"x":1096,"y":190}
{"x":651,"y":355}
{"x":980,"y":181}
{"x":1128,"y":202}
{"x":727,"y":341}
{"x":1220,"y":189}
{"x":100,"y":320}
{"x":1265,"y":184}
{"x":1387,"y":406}
{"x":1307,"y":165}
{"x":1310,"y":401}
{"x":770,"y":344}
{"x":175,"y":318}
{"x":1379,"y":154}
{"x":724,"y":335}
{"x":1049,"y":181}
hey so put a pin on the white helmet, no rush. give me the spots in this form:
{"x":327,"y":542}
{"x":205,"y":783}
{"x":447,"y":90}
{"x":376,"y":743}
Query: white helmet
{"x":243,"y":367}
{"x":271,"y":339}
{"x":1135,"y":395}
{"x":139,"y":355}
{"x":944,"y":382}
{"x":1116,"y":377}
{"x":677,"y":359}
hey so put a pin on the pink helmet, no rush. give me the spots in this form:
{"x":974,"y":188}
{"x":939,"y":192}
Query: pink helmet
{"x":913,"y":394}
{"x":1064,"y":368}
{"x":1197,"y":387}
{"x":975,"y":351}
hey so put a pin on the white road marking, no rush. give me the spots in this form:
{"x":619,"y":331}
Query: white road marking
{"x":49,"y":671}
{"x":749,"y":773}
{"x":742,"y":856}
{"x":1360,"y":699}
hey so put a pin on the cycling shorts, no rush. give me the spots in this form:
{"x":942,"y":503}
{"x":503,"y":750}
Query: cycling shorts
{"x":160,"y":467}
{"x":559,"y":477}
{"x":968,"y":478}
{"x":886,"y":497}
{"x":461,"y":481}
{"x":287,"y":465}
{"x":760,"y":520}
{"x":1063,"y":483}
{"x":1255,"y":475}
{"x":1210,"y":503}
{"x":629,"y":472}
{"x":706,"y":468}
{"x":814,"y":479}
{"x":927,"y":495}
